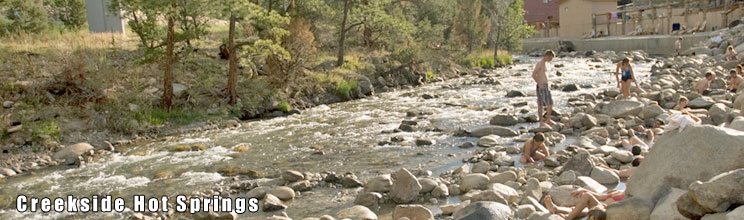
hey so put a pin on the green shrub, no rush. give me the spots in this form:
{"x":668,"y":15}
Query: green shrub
{"x":479,"y":61}
{"x":23,"y":16}
{"x":344,"y":88}
{"x":284,"y":106}
{"x":504,"y":59}
{"x":430,"y":75}
{"x":49,"y":128}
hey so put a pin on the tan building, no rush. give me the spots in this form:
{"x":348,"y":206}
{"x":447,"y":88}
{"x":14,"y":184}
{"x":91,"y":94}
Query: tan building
{"x":576,"y":15}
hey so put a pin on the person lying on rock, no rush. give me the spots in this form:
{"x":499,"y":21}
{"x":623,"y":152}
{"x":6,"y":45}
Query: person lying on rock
{"x":627,"y":172}
{"x":658,"y":128}
{"x":544,"y":98}
{"x":734,"y":82}
{"x":703,"y":84}
{"x":681,"y":104}
{"x":730,"y":53}
{"x":624,"y":69}
{"x":590,"y":204}
{"x":646,"y":135}
{"x":534,"y":149}
{"x":634,"y":140}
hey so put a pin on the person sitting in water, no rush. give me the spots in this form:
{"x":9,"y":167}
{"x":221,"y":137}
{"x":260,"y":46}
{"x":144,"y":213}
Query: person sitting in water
{"x":534,"y":149}
{"x":734,"y":82}
{"x":730,"y":53}
{"x":681,"y":104}
{"x":590,"y":204}
{"x":703,"y":84}
{"x":624,"y":69}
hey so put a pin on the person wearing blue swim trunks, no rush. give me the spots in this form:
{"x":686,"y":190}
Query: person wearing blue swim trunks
{"x":626,"y":71}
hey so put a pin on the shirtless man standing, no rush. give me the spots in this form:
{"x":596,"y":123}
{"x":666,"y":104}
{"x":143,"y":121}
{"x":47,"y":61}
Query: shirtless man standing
{"x":544,"y":98}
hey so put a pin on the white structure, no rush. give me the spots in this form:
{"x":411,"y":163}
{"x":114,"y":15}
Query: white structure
{"x":100,"y":19}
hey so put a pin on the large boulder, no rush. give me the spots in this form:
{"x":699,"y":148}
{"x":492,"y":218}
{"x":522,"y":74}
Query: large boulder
{"x":666,"y":207}
{"x":701,"y":102}
{"x":484,"y":210}
{"x":71,"y":153}
{"x":504,"y":120}
{"x":622,"y":108}
{"x":412,"y":212}
{"x":651,"y":111}
{"x":719,"y":193}
{"x":630,"y":209}
{"x":494,"y":130}
{"x":719,"y":113}
{"x":356,"y":212}
{"x":581,"y":163}
{"x":680,"y":158}
{"x":405,"y":186}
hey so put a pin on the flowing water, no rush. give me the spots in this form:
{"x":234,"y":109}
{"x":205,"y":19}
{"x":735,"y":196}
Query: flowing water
{"x":348,"y":133}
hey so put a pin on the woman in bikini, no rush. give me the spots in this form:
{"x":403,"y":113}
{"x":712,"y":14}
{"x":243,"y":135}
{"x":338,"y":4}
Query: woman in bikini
{"x":595,"y":203}
{"x":624,"y":69}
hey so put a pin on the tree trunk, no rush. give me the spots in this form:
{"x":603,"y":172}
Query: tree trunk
{"x":168,"y":82}
{"x":495,"y":53}
{"x":271,"y":5}
{"x":342,"y":38}
{"x":232,"y":79}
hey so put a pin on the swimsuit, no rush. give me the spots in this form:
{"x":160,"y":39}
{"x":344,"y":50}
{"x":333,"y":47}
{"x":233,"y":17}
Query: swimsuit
{"x":544,"y":98}
{"x":626,"y":75}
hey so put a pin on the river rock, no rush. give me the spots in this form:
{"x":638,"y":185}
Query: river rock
{"x":484,"y":210}
{"x":405,"y":186}
{"x":488,"y":141}
{"x":561,"y":195}
{"x":424,"y":142}
{"x":651,"y":111}
{"x":720,"y":192}
{"x":737,"y":214}
{"x":737,"y":124}
{"x":510,"y":194}
{"x":719,"y":113}
{"x":581,"y":163}
{"x":622,"y":156}
{"x":570,"y":88}
{"x":630,"y":209}
{"x":71,"y":153}
{"x":504,"y":120}
{"x":283,"y":193}
{"x":680,"y":158}
{"x":474,"y":181}
{"x":272,"y":203}
{"x":622,"y":108}
{"x":591,"y":184}
{"x":301,"y":186}
{"x":604,"y":176}
{"x":368,"y":199}
{"x":701,"y":102}
{"x":502,"y":177}
{"x":292,"y":176}
{"x":481,"y":167}
{"x":544,"y":216}
{"x":412,"y":212}
{"x":568,"y":177}
{"x":440,"y":191}
{"x":515,"y":93}
{"x":452,"y":208}
{"x":494,"y":130}
{"x":356,"y":212}
{"x":666,"y":207}
{"x":427,"y":185}
{"x":381,"y":183}
{"x":524,"y":211}
{"x":588,"y":121}
{"x":532,"y":188}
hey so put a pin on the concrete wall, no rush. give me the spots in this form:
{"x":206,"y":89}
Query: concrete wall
{"x":100,"y":19}
{"x":654,"y":44}
{"x":576,"y":15}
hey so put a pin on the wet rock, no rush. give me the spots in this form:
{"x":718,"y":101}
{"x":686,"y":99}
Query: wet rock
{"x":666,"y":207}
{"x":561,"y":195}
{"x":356,"y":212}
{"x":283,"y":193}
{"x":292,"y":176}
{"x":622,"y":108}
{"x":427,"y":185}
{"x":494,"y":130}
{"x":405,"y":186}
{"x":513,"y":150}
{"x":412,"y":212}
{"x":350,"y":181}
{"x":630,"y":209}
{"x":258,"y":192}
{"x":424,"y":142}
{"x":504,"y":120}
{"x":452,"y":208}
{"x":488,"y":141}
{"x":427,"y":96}
{"x":466,"y":145}
{"x":473,"y":181}
{"x":368,"y":199}
{"x":515,"y":93}
{"x":481,"y":167}
{"x":406,"y":128}
{"x":622,"y":156}
{"x":272,"y":203}
{"x":551,"y":162}
{"x":581,"y":163}
{"x":301,"y":186}
{"x":570,"y":88}
{"x":71,"y":153}
{"x":604,"y":176}
{"x":680,"y":158}
{"x":484,"y":210}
